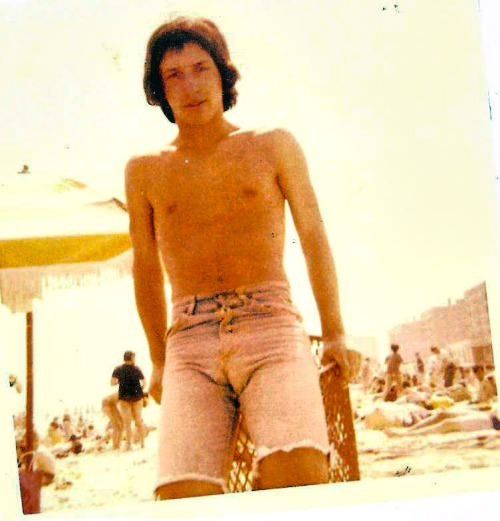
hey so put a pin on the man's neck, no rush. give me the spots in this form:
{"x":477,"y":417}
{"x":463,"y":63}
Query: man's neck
{"x":203,"y":138}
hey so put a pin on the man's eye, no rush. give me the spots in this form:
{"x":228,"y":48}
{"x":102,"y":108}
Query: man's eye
{"x":173,"y":75}
{"x":201,"y":68}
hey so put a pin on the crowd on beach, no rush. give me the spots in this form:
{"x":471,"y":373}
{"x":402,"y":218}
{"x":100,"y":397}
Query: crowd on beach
{"x":73,"y":435}
{"x":394,"y":395}
{"x":85,"y":434}
{"x":437,"y":396}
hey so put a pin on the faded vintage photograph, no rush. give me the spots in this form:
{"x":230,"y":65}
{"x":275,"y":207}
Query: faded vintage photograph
{"x":245,"y":246}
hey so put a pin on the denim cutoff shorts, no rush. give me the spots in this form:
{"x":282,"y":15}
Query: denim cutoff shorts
{"x":245,"y":348}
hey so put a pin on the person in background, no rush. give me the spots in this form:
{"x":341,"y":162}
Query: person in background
{"x":485,"y":388}
{"x":366,"y":374}
{"x":377,"y":385}
{"x":449,"y":368}
{"x":393,"y":371}
{"x":14,"y":383}
{"x":110,"y":409}
{"x":492,"y":379}
{"x":446,"y":421}
{"x":54,"y":434}
{"x":459,"y":392}
{"x":130,"y":381}
{"x":433,"y":368}
{"x":42,"y":462}
{"x":80,"y":426}
{"x":420,"y":368}
{"x":67,"y":427}
{"x":391,"y":395}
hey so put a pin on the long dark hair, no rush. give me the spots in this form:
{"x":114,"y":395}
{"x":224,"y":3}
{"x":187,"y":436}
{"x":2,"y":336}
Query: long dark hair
{"x":175,"y":35}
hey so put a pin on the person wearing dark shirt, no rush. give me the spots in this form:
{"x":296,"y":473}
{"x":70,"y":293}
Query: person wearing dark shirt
{"x":130,"y":381}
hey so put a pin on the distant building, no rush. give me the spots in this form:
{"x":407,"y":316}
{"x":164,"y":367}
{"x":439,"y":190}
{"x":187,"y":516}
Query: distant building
{"x":463,"y":328}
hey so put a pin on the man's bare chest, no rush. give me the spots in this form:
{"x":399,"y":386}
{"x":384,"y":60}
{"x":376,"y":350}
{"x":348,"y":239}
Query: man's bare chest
{"x":190,"y":191}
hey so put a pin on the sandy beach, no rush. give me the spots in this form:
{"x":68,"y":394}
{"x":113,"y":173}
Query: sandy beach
{"x":113,"y":477}
{"x":103,"y":479}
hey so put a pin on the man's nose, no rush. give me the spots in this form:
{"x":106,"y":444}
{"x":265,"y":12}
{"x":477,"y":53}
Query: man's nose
{"x":191,"y":83}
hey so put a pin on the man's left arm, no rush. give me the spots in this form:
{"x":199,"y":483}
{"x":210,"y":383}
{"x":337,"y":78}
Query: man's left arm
{"x":114,"y":377}
{"x":296,"y":187}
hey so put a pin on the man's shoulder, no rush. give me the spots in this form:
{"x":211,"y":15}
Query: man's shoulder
{"x":264,"y":135}
{"x":275,"y":143}
{"x":139,"y":166}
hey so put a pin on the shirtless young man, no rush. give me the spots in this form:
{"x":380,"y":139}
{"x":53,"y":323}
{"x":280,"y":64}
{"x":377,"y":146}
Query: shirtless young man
{"x":210,"y":209}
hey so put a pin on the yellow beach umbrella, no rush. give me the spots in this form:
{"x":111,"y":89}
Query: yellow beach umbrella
{"x":56,"y":235}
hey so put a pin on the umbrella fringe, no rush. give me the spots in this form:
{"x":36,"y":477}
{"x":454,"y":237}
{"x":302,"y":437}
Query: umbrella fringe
{"x":20,"y":286}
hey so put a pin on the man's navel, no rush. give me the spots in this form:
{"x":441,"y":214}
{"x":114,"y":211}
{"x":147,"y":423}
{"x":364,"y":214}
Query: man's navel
{"x":171,"y":208}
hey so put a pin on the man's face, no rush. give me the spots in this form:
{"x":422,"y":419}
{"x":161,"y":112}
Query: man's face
{"x":192,"y":84}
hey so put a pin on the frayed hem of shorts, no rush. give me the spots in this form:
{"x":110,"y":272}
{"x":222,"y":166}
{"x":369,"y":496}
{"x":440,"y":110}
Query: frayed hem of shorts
{"x":263,"y":451}
{"x":190,"y":477}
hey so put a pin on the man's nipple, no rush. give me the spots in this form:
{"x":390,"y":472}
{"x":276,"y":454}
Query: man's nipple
{"x":249,"y":192}
{"x":171,"y":208}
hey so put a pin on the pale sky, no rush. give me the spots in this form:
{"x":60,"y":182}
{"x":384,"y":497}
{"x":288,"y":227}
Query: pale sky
{"x":390,"y":106}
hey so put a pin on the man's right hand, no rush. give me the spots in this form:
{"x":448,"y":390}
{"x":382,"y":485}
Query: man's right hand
{"x":155,"y":387}
{"x":335,"y":354}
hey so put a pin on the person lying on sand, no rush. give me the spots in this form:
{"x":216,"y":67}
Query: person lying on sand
{"x":445,"y":421}
{"x":383,"y":415}
{"x":416,"y":395}
{"x":73,"y":446}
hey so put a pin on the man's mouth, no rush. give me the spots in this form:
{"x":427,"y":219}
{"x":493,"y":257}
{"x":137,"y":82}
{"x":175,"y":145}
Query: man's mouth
{"x":194,"y":104}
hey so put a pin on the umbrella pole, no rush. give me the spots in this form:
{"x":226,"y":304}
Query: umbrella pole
{"x":30,"y":438}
